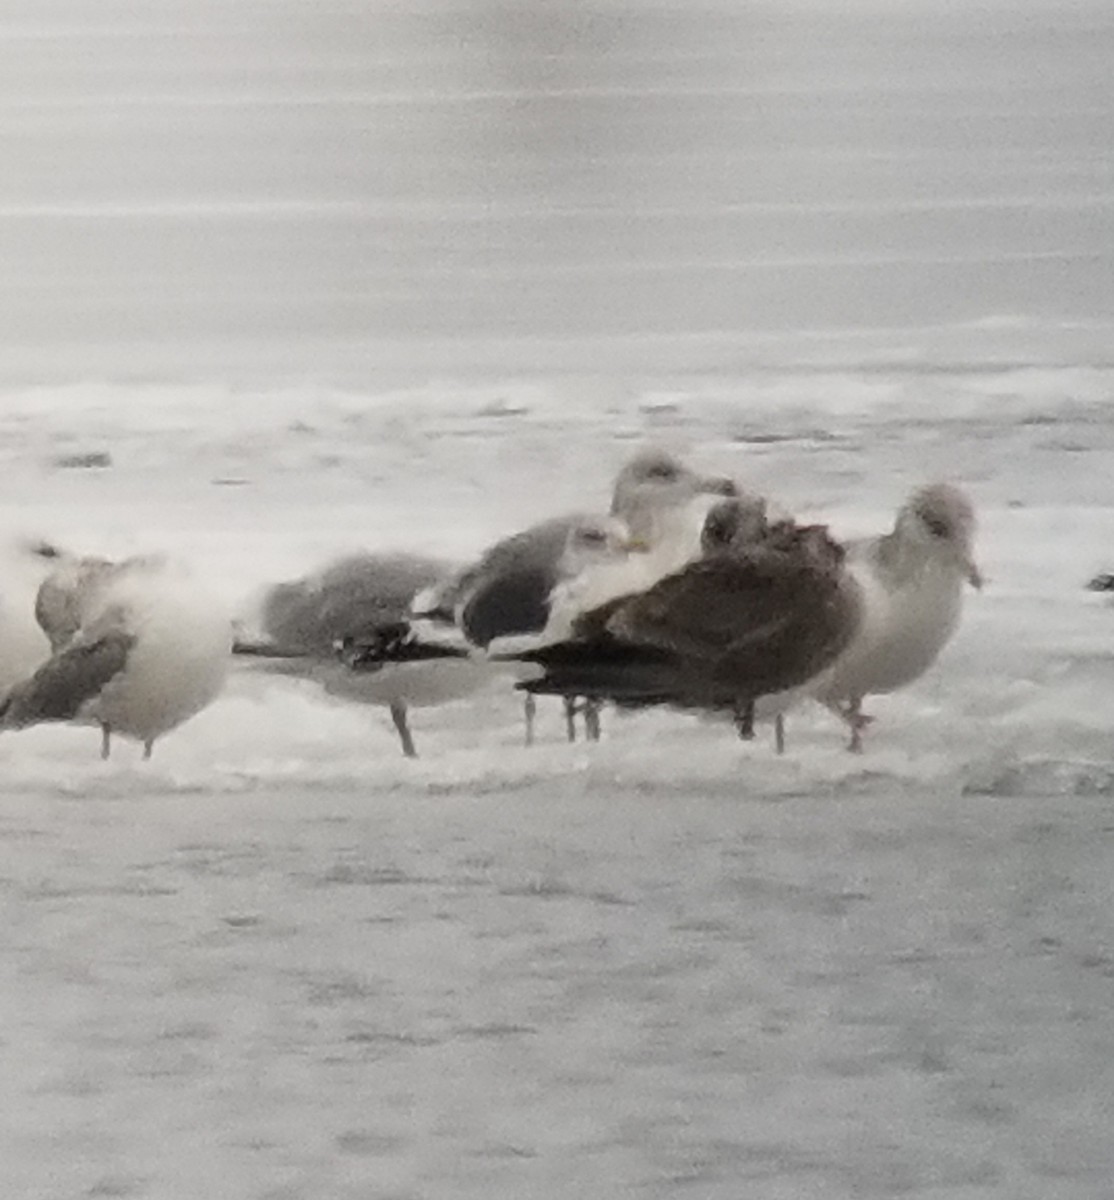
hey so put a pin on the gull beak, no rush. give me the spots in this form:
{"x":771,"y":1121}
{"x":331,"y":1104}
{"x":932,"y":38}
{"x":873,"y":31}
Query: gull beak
{"x":638,"y":545}
{"x":974,"y":575}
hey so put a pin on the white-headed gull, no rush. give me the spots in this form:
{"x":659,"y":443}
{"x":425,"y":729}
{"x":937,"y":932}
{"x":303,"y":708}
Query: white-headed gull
{"x":139,"y":647}
{"x":912,"y":580}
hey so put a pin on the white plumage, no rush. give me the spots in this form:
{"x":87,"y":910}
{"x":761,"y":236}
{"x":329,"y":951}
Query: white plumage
{"x":912,"y":584}
{"x":150,"y":650}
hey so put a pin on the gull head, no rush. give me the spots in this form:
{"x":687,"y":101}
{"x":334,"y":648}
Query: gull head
{"x":66,"y":593}
{"x":655,"y":486}
{"x":733,"y":524}
{"x":940,"y":520}
{"x":593,"y":540}
{"x":809,"y":545}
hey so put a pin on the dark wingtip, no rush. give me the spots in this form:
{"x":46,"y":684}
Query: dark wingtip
{"x":258,"y":649}
{"x":395,"y":643}
{"x":1102,"y":583}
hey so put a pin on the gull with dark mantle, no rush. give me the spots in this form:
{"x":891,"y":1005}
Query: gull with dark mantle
{"x":395,"y":650}
{"x":912,"y":582}
{"x":509,"y":591}
{"x":762,"y":610}
{"x":138,"y":648}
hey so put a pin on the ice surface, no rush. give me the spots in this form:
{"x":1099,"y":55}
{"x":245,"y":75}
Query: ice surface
{"x":328,"y":190}
{"x":281,"y":961}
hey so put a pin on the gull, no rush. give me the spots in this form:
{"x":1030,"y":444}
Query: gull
{"x":507,"y":593}
{"x":66,"y":594}
{"x":509,"y":590}
{"x":525,"y":569}
{"x":362,"y":596}
{"x":912,"y":581}
{"x":138,"y":649}
{"x":761,"y":610}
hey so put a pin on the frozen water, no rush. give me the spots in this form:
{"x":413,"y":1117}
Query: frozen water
{"x":282,"y":961}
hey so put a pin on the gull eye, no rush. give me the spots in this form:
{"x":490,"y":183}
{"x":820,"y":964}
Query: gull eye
{"x":664,"y":472}
{"x":937,"y":526}
{"x":592,"y":537}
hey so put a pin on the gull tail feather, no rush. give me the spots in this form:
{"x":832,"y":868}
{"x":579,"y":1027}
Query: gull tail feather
{"x":605,"y":670}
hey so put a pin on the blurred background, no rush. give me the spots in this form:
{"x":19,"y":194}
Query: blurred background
{"x":274,"y":190}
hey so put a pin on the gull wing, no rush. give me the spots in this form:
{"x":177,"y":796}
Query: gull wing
{"x":748,"y":624}
{"x":705,"y":609}
{"x":507,"y":591}
{"x":65,"y":682}
{"x":352,"y":598}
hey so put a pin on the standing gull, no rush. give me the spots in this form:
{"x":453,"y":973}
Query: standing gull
{"x":358,"y":598}
{"x":912,"y":582}
{"x":762,"y":610}
{"x":509,"y":591}
{"x":394,"y":646}
{"x":138,"y":649}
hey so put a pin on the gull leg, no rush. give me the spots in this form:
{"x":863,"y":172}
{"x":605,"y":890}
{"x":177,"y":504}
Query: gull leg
{"x":398,"y":715}
{"x":148,"y":746}
{"x":570,"y":718}
{"x":591,"y":719}
{"x":744,"y":720}
{"x":530,"y":709}
{"x":858,"y":720}
{"x":779,"y":733}
{"x":852,"y":715}
{"x":106,"y":740}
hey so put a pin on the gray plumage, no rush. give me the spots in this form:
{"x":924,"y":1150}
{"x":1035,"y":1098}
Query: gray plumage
{"x":353,"y":598}
{"x":352,"y":601}
{"x":507,"y":591}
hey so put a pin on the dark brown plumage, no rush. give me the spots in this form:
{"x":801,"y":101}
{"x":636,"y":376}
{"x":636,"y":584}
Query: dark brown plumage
{"x":764,"y":610}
